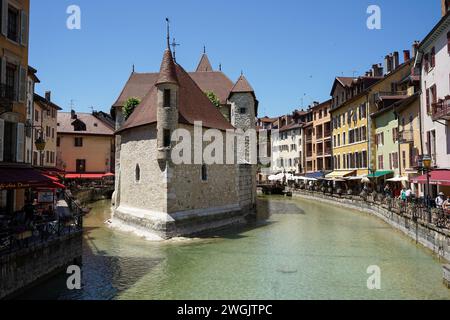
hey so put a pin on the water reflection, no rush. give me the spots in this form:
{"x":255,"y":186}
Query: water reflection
{"x":295,"y":250}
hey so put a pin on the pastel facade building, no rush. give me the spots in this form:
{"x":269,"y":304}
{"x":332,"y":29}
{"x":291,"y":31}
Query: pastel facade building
{"x":85,"y":144}
{"x":433,"y":61}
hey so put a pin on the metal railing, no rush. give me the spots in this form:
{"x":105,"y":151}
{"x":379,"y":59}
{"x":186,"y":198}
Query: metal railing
{"x":441,"y":109}
{"x":16,"y":236}
{"x":406,"y":136}
{"x":414,"y":208}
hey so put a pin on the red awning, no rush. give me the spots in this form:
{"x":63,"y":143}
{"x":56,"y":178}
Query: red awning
{"x":22,"y":178}
{"x":92,"y":176}
{"x":438,"y":177}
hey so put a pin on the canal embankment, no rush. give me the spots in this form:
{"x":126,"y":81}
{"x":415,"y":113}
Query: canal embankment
{"x":35,"y":253}
{"x":426,"y":234}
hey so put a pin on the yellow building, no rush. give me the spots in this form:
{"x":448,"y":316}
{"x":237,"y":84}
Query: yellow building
{"x":354,"y":101}
{"x":85,"y":143}
{"x":13,"y":95}
{"x":350,"y":122}
{"x":45,"y":127}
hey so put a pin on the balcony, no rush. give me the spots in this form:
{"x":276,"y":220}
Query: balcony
{"x":441,"y":109}
{"x":385,"y":99}
{"x":7,"y":98}
{"x":390,"y":95}
{"x":406,"y":136}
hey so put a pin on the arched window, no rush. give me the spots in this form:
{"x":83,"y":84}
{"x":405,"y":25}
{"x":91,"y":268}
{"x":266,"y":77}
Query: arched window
{"x":138,"y":173}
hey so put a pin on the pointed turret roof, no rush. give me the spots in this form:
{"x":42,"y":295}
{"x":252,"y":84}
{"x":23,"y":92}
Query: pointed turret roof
{"x":168,"y":73}
{"x":204,"y":64}
{"x":242,"y":86}
{"x":193,"y":104}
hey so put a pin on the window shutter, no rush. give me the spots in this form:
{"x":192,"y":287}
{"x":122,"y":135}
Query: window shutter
{"x":20,"y":142}
{"x":3,"y":71}
{"x":24,"y":28}
{"x":4,"y":17}
{"x":22,"y":84}
{"x":2,"y":133}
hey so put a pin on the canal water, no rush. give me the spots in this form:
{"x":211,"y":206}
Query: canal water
{"x":305,"y":250}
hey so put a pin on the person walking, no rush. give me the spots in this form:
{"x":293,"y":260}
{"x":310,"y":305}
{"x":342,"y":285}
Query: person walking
{"x":440,"y":200}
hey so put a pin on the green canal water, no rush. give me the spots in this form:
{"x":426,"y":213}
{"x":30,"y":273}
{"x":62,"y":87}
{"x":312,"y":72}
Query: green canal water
{"x":305,"y":250}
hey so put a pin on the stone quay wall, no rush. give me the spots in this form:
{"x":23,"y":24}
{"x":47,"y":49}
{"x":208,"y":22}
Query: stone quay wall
{"x":24,"y":268}
{"x":428,"y":235}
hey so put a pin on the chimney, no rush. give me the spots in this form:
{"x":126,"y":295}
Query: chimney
{"x":445,"y":7}
{"x":73,"y":115}
{"x":48,"y":95}
{"x":396,"y":58}
{"x":406,"y":55}
{"x":388,"y":64}
{"x":415,"y":48}
{"x":377,"y":70}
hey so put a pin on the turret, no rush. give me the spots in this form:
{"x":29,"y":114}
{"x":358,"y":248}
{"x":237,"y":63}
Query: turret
{"x":243,"y":105}
{"x":167,"y":105}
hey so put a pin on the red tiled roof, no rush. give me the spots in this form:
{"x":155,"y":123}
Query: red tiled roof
{"x":94,"y":126}
{"x":215,"y":81}
{"x":291,"y":126}
{"x":268,"y":120}
{"x":136,"y":87}
{"x":139,"y":84}
{"x":345,"y":81}
{"x":204,"y":64}
{"x":242,"y":86}
{"x":167,"y":73}
{"x":45,"y":103}
{"x":193,"y":106}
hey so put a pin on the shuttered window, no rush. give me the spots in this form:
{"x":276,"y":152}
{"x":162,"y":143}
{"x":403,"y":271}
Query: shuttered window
{"x":20,"y":142}
{"x":2,"y":140}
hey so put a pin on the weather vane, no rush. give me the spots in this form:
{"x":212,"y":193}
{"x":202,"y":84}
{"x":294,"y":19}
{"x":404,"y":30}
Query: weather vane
{"x":174,"y":45}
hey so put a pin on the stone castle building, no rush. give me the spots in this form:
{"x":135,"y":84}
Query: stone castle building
{"x":155,"y":196}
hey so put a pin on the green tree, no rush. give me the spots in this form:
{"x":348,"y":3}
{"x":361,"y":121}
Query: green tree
{"x":129,"y":107}
{"x":213,"y":98}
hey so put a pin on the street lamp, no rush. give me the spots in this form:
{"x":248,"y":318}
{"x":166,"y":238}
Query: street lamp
{"x":40,"y":144}
{"x":426,"y":165}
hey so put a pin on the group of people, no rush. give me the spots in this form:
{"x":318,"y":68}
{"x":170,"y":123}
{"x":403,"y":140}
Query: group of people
{"x":32,"y":213}
{"x":443,"y":202}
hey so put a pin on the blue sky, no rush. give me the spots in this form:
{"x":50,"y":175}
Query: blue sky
{"x":289,"y":50}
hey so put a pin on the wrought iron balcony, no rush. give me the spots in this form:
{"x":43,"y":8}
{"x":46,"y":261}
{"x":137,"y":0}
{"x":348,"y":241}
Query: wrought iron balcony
{"x":7,"y":98}
{"x":406,"y":136}
{"x":441,"y":109}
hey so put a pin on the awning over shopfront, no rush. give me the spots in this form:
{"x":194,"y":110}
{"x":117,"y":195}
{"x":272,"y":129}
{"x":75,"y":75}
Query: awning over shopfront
{"x":87,"y":176}
{"x":23,"y":178}
{"x":380,"y":174}
{"x":340,"y":174}
{"x":438,"y":177}
{"x":314,"y":175}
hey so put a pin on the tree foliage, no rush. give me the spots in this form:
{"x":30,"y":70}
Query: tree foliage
{"x":129,"y":107}
{"x":213,"y":98}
